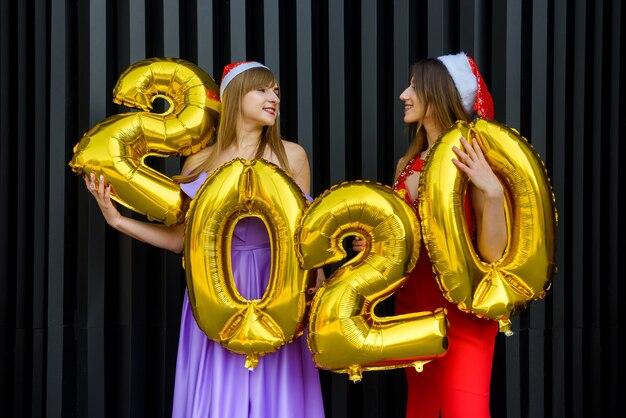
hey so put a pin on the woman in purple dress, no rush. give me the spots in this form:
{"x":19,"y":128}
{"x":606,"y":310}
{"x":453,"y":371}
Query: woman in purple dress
{"x":211,"y":382}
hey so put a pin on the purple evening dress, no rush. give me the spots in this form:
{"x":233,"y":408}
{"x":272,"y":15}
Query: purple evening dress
{"x":212,"y":382}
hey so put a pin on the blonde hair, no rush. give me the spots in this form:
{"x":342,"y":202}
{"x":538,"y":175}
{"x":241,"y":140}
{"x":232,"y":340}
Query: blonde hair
{"x":436,"y":90}
{"x":227,"y":132}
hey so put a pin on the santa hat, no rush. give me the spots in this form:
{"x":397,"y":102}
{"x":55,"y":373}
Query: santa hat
{"x":470,"y":84}
{"x":233,"y":70}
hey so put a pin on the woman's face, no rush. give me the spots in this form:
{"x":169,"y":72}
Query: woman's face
{"x":413,"y":109}
{"x":260,"y":106}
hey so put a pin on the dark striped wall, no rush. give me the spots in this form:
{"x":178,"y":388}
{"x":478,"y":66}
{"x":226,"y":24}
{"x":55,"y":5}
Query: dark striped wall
{"x":89,"y":318}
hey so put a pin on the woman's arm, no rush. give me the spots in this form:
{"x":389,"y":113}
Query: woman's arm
{"x":487,"y":197}
{"x":161,"y":236}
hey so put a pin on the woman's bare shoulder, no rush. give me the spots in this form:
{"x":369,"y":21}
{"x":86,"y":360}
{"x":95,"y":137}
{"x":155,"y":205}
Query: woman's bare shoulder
{"x":294,"y":150}
{"x":196,"y":159}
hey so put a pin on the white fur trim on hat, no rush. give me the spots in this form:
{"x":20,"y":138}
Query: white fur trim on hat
{"x":235,"y":71}
{"x":464,"y":79}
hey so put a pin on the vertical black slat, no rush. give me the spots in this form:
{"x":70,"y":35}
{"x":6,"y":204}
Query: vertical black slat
{"x":7,"y":211}
{"x":388,"y":101}
{"x":482,"y":35}
{"x":498,"y":69}
{"x":147,"y":391}
{"x":372,"y":400}
{"x":498,"y":387}
{"x":304,"y":69}
{"x":56,"y":367}
{"x":616,"y":241}
{"x":205,"y":37}
{"x":336,"y":94}
{"x":255,"y":42}
{"x":418,"y":30}
{"x":354,"y":95}
{"x":288,"y":77}
{"x":526,"y":65}
{"x":137,"y":30}
{"x":171,"y":28}
{"x":147,"y":397}
{"x":598,"y":235}
{"x":436,"y":28}
{"x":538,"y":114}
{"x":238,"y":31}
{"x":121,"y":24}
{"x":534,"y":383}
{"x":128,"y":403}
{"x":369,"y":89}
{"x":271,"y":36}
{"x":188,"y":30}
{"x":559,"y":144}
{"x":23,"y":262}
{"x":320,"y":97}
{"x":171,"y":48}
{"x":93,"y":340}
{"x":328,"y":395}
{"x":514,"y":362}
{"x":401,"y":62}
{"x":512,"y":56}
{"x":154,"y":31}
{"x":338,"y":401}
{"x":579,"y":303}
{"x":39,"y":250}
{"x":467,"y":28}
{"x":513,"y":63}
{"x":221,"y":37}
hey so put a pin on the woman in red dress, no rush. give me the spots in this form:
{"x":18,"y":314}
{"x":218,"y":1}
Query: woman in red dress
{"x":442,"y":91}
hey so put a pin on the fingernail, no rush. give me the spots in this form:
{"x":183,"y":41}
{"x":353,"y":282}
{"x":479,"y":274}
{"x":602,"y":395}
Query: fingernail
{"x":101,"y":177}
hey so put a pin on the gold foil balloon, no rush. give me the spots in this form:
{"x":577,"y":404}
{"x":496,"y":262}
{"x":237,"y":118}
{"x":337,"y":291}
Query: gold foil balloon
{"x":524,"y":273}
{"x":345,"y":335}
{"x":252,"y":327}
{"x":117,"y":146}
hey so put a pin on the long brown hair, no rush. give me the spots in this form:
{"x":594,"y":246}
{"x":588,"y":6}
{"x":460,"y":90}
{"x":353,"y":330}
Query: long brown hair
{"x":227,"y":131}
{"x":436,"y":90}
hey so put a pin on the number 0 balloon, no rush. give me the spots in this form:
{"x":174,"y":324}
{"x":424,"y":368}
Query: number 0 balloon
{"x":525,"y":271}
{"x":251,"y":327}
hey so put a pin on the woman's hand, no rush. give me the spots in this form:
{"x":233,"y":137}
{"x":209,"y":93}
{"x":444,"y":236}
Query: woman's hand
{"x":102,"y":193}
{"x":473,"y":163}
{"x":487,"y":199}
{"x":154,"y":233}
{"x":319,"y":280}
{"x":358,"y":244}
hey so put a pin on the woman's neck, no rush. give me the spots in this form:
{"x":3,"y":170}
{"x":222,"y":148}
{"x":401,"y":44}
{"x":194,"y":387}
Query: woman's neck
{"x":432,"y":134}
{"x":248,"y":138}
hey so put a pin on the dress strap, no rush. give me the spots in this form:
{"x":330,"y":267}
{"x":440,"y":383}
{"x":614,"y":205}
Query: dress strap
{"x":414,"y":164}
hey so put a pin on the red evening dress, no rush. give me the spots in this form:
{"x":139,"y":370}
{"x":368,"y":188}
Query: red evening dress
{"x":457,"y":384}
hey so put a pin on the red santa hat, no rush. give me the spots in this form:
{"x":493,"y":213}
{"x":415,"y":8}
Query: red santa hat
{"x":470,"y":84}
{"x":233,"y":70}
